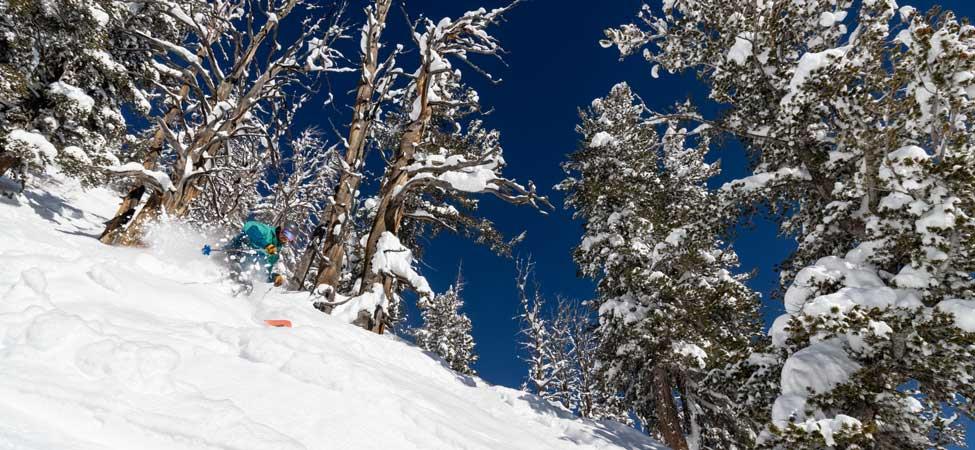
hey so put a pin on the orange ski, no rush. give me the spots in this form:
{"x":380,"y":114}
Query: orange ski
{"x":279,"y":323}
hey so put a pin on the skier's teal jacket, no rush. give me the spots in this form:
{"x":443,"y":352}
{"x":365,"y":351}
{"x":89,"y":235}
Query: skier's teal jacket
{"x":257,"y":236}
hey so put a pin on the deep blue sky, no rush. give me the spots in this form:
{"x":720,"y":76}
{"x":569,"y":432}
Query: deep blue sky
{"x":555,"y":67}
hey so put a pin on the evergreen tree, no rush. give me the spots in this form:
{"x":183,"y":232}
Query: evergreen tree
{"x":535,"y":329}
{"x":651,"y":229}
{"x":565,"y":386}
{"x":437,"y":154}
{"x":562,"y":345}
{"x":66,"y":70}
{"x":446,"y":331}
{"x":375,"y":80}
{"x":856,"y":116}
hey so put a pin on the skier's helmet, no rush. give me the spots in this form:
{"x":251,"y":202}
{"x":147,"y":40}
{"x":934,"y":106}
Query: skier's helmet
{"x":288,"y":232}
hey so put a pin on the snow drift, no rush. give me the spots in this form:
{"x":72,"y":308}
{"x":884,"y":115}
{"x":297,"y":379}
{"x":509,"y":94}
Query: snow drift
{"x":105,"y":347}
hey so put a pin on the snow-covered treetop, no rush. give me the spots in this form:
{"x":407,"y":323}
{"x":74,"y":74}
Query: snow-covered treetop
{"x":438,"y":43}
{"x":853,"y":82}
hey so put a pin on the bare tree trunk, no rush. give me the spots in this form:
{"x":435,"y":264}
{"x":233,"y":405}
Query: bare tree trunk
{"x":7,"y":162}
{"x":134,"y":227}
{"x":338,"y":214}
{"x":389,"y":216}
{"x":131,"y":236}
{"x":307,"y":260}
{"x":297,"y":281}
{"x":668,"y":422}
{"x":126,"y":210}
{"x":175,"y":204}
{"x":379,"y":316}
{"x":123,"y":215}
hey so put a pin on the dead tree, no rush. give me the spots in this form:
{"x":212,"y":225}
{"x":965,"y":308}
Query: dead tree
{"x":237,"y":72}
{"x":373,"y":77}
{"x":435,"y":91}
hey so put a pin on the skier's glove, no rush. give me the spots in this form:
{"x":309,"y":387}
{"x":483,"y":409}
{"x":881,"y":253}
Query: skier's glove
{"x":271,"y":249}
{"x":207,"y":250}
{"x":278,"y":280}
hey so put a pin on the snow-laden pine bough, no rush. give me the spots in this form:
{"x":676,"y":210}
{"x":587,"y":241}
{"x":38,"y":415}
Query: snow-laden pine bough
{"x":65,"y":81}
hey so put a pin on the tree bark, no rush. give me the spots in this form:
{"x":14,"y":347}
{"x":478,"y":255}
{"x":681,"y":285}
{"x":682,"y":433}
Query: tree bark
{"x":389,"y":216}
{"x":337,"y":216}
{"x":668,"y":422}
{"x":307,"y":260}
{"x":7,"y":162}
{"x":131,"y":236}
{"x":126,"y":210}
{"x":114,"y":228}
{"x":123,"y":215}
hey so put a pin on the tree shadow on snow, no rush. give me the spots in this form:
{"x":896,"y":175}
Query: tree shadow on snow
{"x":93,"y":235}
{"x":605,"y":430}
{"x":48,"y":206}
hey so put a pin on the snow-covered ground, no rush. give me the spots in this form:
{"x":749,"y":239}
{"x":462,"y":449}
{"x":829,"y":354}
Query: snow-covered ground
{"x":105,"y":347}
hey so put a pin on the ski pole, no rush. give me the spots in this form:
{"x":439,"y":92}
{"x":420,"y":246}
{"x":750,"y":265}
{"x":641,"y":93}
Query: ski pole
{"x":207,"y":250}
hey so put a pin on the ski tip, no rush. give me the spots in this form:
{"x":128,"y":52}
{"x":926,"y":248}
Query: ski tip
{"x":279,"y":323}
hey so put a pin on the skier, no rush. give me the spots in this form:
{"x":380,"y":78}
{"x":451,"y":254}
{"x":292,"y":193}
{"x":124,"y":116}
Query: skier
{"x":258,"y":246}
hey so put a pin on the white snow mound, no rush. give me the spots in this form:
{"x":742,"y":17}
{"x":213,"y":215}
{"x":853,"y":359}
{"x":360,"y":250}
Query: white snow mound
{"x":115,"y":348}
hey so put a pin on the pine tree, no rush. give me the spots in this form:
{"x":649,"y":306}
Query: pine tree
{"x":535,"y":330}
{"x":66,"y":70}
{"x":593,"y":397}
{"x":651,"y":228}
{"x":855,"y":115}
{"x":561,"y":346}
{"x":446,"y":331}
{"x":565,"y":386}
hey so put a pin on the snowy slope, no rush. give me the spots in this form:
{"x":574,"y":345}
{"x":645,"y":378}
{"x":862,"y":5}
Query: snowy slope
{"x":106,"y":347}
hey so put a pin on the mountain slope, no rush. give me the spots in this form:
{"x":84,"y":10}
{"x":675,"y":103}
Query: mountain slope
{"x":105,"y":347}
